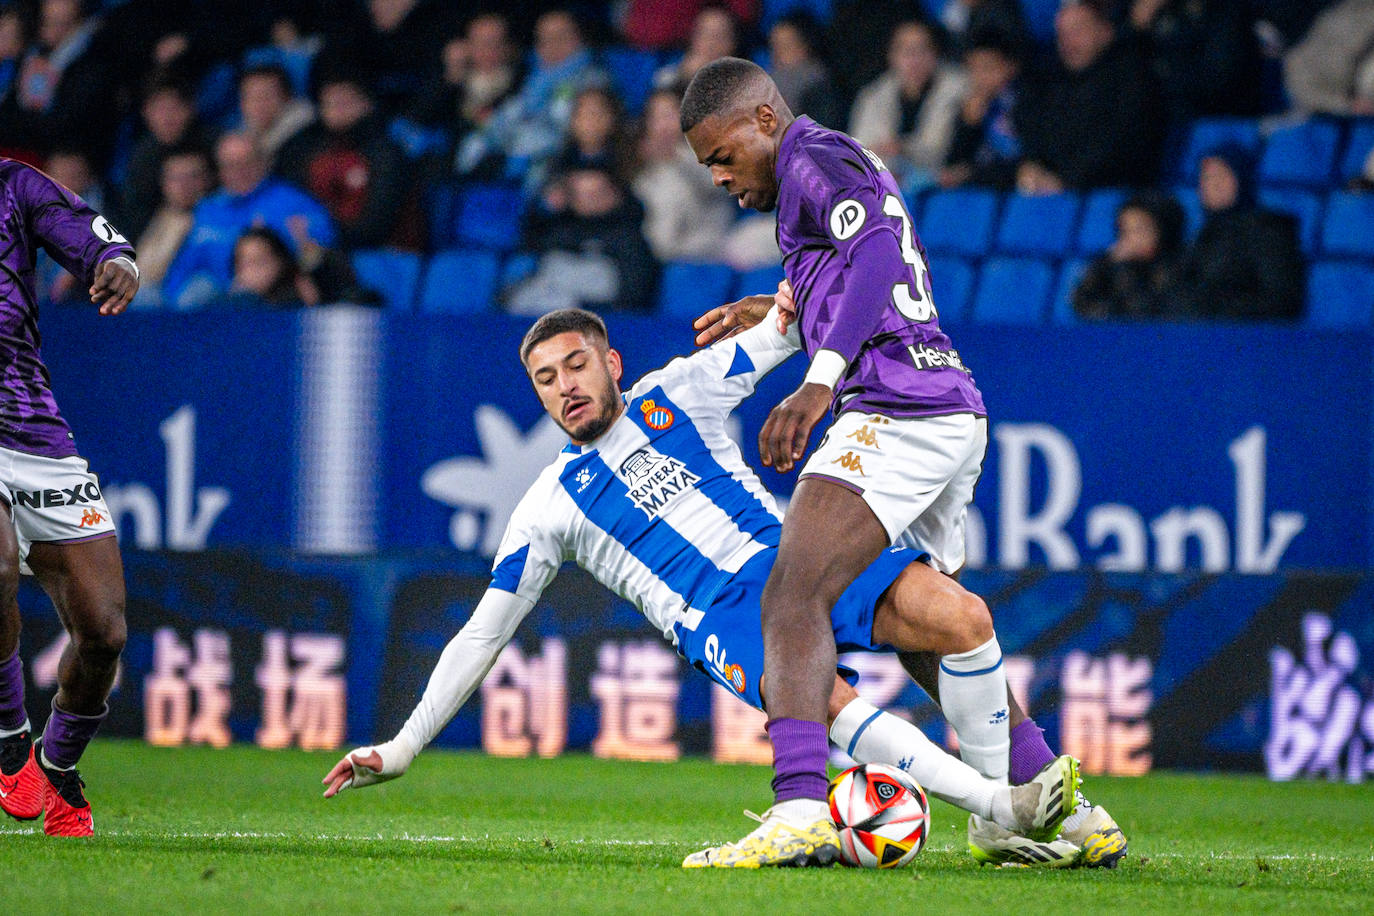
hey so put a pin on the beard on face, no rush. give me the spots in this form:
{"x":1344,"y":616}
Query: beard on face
{"x":590,"y":428}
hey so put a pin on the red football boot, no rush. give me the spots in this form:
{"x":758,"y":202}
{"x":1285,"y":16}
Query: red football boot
{"x":66,"y":811}
{"x":21,"y":783}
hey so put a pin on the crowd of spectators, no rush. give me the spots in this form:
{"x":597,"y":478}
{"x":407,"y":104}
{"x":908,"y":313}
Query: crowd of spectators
{"x":250,"y":148}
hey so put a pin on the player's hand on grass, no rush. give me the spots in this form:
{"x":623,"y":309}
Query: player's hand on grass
{"x":783,"y":437}
{"x":114,"y":286}
{"x":365,"y":766}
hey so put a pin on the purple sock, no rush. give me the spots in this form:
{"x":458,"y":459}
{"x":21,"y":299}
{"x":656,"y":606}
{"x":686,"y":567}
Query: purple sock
{"x":1029,"y":752}
{"x":66,"y":735}
{"x":12,"y":713}
{"x":800,"y":749}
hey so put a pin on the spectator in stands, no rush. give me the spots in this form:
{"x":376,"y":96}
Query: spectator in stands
{"x":1332,"y":69}
{"x":396,"y":47}
{"x":266,"y":274}
{"x":479,"y":73}
{"x":71,"y":169}
{"x":907,"y":115}
{"x":1136,"y":276}
{"x":715,"y":33}
{"x":185,"y":180}
{"x":660,"y":25}
{"x":794,"y":62}
{"x":859,"y":34}
{"x":986,"y":148}
{"x":271,"y":111}
{"x":248,"y":197}
{"x":1245,"y":262}
{"x":963,"y":19}
{"x":347,"y":162}
{"x":596,"y":135}
{"x":686,"y":218}
{"x":293,"y":47}
{"x":1203,"y":54}
{"x":592,"y":251}
{"x":529,"y":126}
{"x":63,"y":92}
{"x":169,"y":116}
{"x":1091,"y":117}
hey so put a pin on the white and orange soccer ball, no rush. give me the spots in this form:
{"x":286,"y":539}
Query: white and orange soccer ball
{"x":882,"y":815}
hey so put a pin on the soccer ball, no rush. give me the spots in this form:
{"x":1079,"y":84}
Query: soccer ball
{"x":882,"y":816}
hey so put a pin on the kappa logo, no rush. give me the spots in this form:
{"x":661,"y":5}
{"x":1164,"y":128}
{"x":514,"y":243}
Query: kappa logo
{"x":850,"y":461}
{"x":846,"y":218}
{"x":44,"y":499}
{"x":656,"y":417}
{"x":656,"y":480}
{"x":90,"y":517}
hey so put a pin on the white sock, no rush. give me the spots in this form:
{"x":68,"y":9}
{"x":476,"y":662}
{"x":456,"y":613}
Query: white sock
{"x":973,"y":696}
{"x":801,"y":812}
{"x":16,"y":731}
{"x":870,"y":735}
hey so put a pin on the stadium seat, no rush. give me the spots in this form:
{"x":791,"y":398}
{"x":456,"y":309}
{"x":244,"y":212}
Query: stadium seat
{"x":1192,"y":210}
{"x":1346,"y":230}
{"x":488,"y":216}
{"x":1013,"y":291}
{"x":632,"y":75}
{"x":773,"y":10}
{"x":1340,"y":294}
{"x":1097,"y":228}
{"x":395,"y":275}
{"x":959,"y":222}
{"x":689,"y":289}
{"x":1305,"y":206}
{"x":1208,"y":133}
{"x":1038,"y":225}
{"x":757,"y":282}
{"x":1302,"y":155}
{"x":1357,"y":149}
{"x":1061,"y":309}
{"x":951,"y":280}
{"x":460,"y":282}
{"x":1040,"y":18}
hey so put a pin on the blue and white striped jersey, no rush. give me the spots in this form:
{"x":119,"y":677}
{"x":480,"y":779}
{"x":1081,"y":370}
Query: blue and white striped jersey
{"x":662,"y":508}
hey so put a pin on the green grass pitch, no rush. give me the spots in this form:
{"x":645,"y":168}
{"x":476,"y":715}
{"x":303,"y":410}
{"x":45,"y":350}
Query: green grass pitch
{"x":245,"y":830}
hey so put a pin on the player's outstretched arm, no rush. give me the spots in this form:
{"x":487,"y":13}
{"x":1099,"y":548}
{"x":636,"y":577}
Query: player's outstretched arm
{"x":730,"y":319}
{"x":366,"y":766}
{"x":116,"y":282}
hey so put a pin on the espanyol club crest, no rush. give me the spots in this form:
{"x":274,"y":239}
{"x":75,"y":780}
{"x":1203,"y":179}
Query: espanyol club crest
{"x":655,"y":417}
{"x":735,"y":675}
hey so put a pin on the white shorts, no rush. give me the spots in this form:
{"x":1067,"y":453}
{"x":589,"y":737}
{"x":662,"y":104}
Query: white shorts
{"x":916,"y":474}
{"x":55,"y":500}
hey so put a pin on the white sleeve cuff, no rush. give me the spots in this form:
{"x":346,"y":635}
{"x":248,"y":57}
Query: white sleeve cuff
{"x":826,"y":368}
{"x":130,"y":261}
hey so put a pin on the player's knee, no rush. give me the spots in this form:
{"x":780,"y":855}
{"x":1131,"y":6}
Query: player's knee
{"x":102,"y":636}
{"x":974,"y":623}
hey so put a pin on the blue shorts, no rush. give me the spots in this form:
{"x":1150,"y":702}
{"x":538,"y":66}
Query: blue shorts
{"x":727,"y":643}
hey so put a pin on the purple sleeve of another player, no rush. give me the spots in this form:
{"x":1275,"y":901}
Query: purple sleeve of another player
{"x":856,"y":310}
{"x":76,"y":236}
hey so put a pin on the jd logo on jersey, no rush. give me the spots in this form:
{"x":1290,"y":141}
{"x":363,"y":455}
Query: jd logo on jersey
{"x":655,"y":480}
{"x":846,"y":218}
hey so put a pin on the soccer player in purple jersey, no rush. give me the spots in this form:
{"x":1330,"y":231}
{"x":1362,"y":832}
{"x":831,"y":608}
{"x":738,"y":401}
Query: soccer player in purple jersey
{"x":56,"y":524}
{"x":898,"y":464}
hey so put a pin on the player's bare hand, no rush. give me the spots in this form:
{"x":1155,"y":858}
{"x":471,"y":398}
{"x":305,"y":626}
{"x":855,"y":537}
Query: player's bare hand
{"x":783,"y":437}
{"x":352,"y":769}
{"x":114,"y":287}
{"x":730,"y":319}
{"x":786,"y":305}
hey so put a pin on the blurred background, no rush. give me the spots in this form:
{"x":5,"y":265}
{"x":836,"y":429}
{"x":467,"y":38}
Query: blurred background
{"x":1150,"y":231}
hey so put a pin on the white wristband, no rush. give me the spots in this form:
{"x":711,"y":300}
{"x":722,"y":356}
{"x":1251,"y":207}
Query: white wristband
{"x":826,"y":368}
{"x":130,"y":261}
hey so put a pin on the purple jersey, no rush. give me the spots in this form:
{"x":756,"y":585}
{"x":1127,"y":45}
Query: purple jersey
{"x":860,"y":280}
{"x":37,"y":212}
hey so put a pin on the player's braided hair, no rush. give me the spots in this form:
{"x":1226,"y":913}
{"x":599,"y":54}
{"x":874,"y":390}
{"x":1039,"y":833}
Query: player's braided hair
{"x":560,"y":322}
{"x":719,"y":87}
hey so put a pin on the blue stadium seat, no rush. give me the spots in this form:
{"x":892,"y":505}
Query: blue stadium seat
{"x":1305,"y":206}
{"x":757,"y":282}
{"x":395,"y":275}
{"x":1303,"y":155}
{"x":1013,"y":291}
{"x":460,"y":282}
{"x":1357,"y":149}
{"x":688,"y":289}
{"x":1061,"y":309}
{"x":1192,"y":210}
{"x":488,"y":216}
{"x":1348,"y":230}
{"x":1208,"y":133}
{"x":959,"y":222}
{"x":1038,"y":225}
{"x":632,"y":75}
{"x":1340,"y":294}
{"x":773,"y":10}
{"x":951,"y":281}
{"x":1040,"y":18}
{"x":1097,"y":228}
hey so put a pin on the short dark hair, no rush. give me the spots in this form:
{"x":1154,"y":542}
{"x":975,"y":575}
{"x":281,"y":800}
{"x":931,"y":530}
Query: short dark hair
{"x":717,"y":88}
{"x":561,"y":322}
{"x":275,"y":71}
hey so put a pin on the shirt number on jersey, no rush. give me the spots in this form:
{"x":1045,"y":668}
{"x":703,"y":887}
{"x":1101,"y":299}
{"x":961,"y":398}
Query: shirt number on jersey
{"x":906,"y":297}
